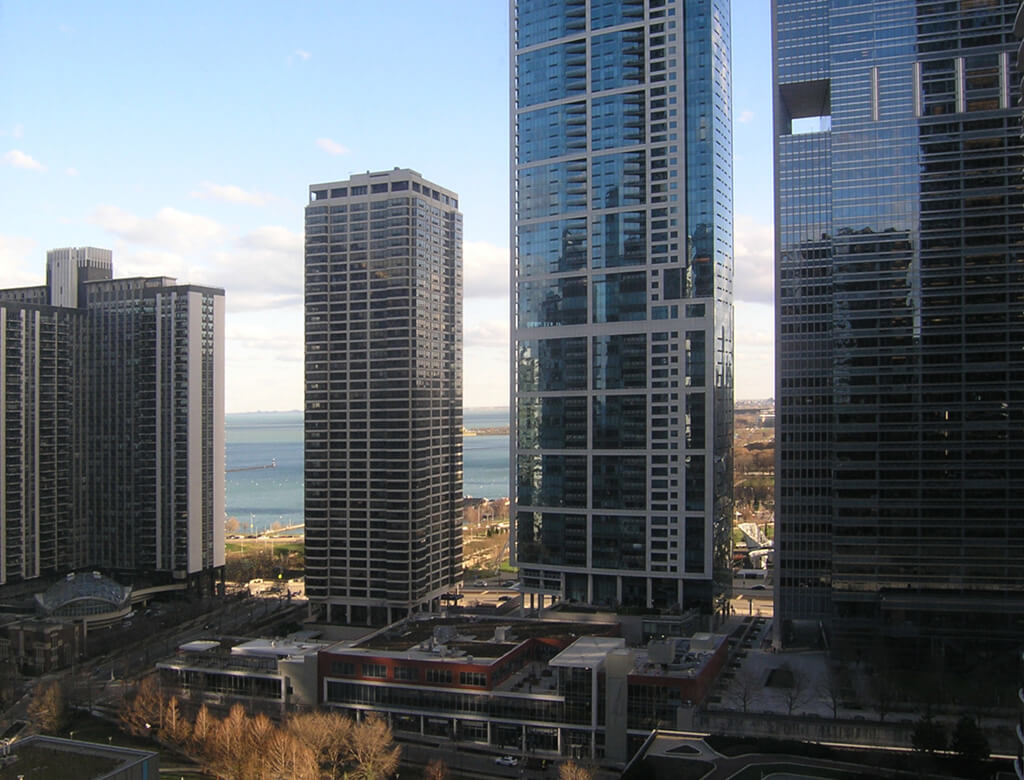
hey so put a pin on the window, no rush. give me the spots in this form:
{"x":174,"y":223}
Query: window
{"x":375,"y":670}
{"x":472,"y":678}
{"x":439,"y":675}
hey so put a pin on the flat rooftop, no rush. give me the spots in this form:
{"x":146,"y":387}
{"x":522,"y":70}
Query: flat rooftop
{"x":480,"y":639}
{"x":587,"y":652}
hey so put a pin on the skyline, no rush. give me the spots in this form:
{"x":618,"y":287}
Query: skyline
{"x":186,"y":143}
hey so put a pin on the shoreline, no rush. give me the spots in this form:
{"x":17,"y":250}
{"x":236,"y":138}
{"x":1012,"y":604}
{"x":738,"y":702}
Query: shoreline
{"x":501,"y":430}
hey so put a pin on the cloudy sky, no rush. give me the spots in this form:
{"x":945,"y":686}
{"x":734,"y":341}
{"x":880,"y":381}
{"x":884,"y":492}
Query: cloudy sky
{"x":184,"y":137}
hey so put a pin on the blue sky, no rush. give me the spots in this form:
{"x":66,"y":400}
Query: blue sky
{"x":184,"y":137}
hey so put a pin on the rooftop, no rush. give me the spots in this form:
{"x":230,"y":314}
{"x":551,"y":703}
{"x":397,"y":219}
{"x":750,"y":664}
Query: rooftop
{"x":455,"y":639}
{"x":587,"y":652}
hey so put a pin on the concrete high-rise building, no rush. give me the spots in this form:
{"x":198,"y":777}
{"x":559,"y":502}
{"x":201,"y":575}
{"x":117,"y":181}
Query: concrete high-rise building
{"x":900,"y":324}
{"x":112,"y":424}
{"x":622,"y":323}
{"x":383,"y":475}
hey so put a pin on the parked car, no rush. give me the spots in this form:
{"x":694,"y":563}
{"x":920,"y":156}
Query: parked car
{"x":506,"y":761}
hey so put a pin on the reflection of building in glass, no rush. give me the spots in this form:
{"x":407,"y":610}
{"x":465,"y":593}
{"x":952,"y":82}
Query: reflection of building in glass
{"x":383,"y":431}
{"x":900,"y":324}
{"x":112,"y":424}
{"x":622,"y":301}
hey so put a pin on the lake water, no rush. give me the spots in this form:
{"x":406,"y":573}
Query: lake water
{"x":259,"y":498}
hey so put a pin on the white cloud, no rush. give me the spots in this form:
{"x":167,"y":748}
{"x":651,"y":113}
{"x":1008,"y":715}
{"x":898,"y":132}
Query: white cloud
{"x":71,"y":171}
{"x":332,"y":147}
{"x":261,"y":270}
{"x":302,"y":55}
{"x":229,"y":193}
{"x":485,"y":270}
{"x":745,"y":117}
{"x":490,"y":334}
{"x":755,"y":350}
{"x":274,"y":238}
{"x":753,"y":249}
{"x":18,"y":159}
{"x":16,"y":261}
{"x":485,"y":358}
{"x":129,"y":260}
{"x":170,"y":229}
{"x":264,"y":360}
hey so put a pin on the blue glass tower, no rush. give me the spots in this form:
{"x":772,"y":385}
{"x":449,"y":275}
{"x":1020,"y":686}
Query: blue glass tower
{"x":900,"y":324}
{"x":622,"y":341}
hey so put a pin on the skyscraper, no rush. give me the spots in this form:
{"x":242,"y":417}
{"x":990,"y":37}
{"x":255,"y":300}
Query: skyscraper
{"x":622,"y":342}
{"x":900,"y":324}
{"x":112,"y":424}
{"x":383,"y":435}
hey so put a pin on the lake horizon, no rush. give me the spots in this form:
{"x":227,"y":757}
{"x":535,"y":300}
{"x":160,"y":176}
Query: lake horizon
{"x":259,"y":495}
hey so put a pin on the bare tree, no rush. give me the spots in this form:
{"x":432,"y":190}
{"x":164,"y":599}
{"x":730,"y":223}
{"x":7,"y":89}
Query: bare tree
{"x":145,"y":710}
{"x":8,"y":680}
{"x":48,"y":707}
{"x":285,"y":757}
{"x":744,"y":690}
{"x":830,"y":688}
{"x":884,"y":689}
{"x":570,"y":770}
{"x":326,"y":734}
{"x":174,"y":726}
{"x":371,"y":750}
{"x":795,"y":694}
{"x":436,"y":770}
{"x":228,"y":747}
{"x":201,"y":729}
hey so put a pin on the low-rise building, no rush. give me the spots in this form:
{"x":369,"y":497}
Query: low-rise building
{"x":535,"y":686}
{"x":539,"y":687}
{"x":38,"y":756}
{"x":41,"y":645}
{"x":267,"y":675}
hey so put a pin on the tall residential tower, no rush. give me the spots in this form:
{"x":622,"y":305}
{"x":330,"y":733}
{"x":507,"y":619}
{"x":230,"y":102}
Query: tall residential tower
{"x":111,"y":425}
{"x":383,"y":396}
{"x":622,"y":335}
{"x":900,"y":324}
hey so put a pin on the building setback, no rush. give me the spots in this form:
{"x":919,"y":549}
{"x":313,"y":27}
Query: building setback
{"x":900,"y":325}
{"x":622,"y":334}
{"x":112,"y":424}
{"x":383,"y":431}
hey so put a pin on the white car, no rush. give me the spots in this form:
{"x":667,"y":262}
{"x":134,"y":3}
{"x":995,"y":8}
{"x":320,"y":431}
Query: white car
{"x":506,"y":761}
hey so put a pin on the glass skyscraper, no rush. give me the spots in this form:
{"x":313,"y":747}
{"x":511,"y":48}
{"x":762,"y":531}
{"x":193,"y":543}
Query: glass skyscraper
{"x":900,"y":324}
{"x":622,"y":341}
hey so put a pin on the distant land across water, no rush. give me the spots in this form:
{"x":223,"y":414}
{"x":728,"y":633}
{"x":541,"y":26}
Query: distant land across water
{"x":259,"y":497}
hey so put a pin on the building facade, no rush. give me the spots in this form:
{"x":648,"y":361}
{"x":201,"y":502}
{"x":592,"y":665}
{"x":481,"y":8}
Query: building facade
{"x":539,"y":688}
{"x":383,"y":426}
{"x":900,"y":324}
{"x":112,"y":424}
{"x":622,"y":341}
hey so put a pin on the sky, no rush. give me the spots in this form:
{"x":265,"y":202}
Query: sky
{"x":184,"y":136}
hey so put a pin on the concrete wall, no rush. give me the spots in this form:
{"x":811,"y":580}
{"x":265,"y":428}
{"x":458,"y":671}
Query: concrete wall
{"x":857,"y":732}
